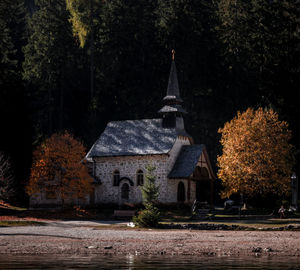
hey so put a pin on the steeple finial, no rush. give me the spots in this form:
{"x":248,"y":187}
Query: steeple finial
{"x":173,"y":54}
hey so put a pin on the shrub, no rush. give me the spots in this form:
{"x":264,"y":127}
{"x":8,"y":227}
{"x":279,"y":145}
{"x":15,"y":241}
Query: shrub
{"x":148,"y":217}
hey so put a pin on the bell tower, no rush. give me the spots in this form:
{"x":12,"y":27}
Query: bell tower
{"x":172,"y":111}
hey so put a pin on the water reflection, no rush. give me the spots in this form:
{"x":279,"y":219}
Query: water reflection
{"x":134,"y":262}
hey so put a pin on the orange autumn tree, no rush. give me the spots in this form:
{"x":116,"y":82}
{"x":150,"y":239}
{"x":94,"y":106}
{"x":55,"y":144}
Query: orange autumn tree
{"x":57,"y":168}
{"x":257,"y":157}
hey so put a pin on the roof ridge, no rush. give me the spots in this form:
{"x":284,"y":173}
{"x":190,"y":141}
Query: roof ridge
{"x":137,"y":137}
{"x":132,"y":120}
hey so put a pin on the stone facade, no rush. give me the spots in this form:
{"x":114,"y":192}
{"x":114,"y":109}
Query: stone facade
{"x":128,"y":166}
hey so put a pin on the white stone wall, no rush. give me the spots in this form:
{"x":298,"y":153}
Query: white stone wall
{"x":128,"y":166}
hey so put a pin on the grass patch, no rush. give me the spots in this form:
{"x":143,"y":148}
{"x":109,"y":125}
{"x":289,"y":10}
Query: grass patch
{"x":4,"y":205}
{"x":248,"y":224}
{"x":14,"y":223}
{"x":175,"y":215}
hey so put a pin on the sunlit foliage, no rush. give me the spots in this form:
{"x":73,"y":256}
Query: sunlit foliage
{"x":257,"y":157}
{"x":57,"y":167}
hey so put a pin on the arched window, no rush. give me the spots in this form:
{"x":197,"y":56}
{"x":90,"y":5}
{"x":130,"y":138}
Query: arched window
{"x":139,"y":178}
{"x":125,"y":191}
{"x":180,"y":192}
{"x":116,"y":178}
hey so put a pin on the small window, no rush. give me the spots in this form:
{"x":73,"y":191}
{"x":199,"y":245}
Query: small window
{"x":140,"y":178}
{"x":116,"y":178}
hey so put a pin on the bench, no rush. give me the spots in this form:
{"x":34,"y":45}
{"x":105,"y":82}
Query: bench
{"x":124,"y":213}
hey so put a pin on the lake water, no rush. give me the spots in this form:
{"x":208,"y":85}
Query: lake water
{"x":136,"y":262}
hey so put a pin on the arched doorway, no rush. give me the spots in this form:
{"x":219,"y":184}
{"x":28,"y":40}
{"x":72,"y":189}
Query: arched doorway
{"x":203,"y":184}
{"x":180,"y":192}
{"x":125,"y":191}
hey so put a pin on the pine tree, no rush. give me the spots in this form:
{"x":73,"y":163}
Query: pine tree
{"x":131,"y":58}
{"x":51,"y":64}
{"x":85,"y":18}
{"x":149,"y":216}
{"x":11,"y":19}
{"x":7,"y":180}
{"x":260,"y":42}
{"x":12,"y":105}
{"x":150,"y":190}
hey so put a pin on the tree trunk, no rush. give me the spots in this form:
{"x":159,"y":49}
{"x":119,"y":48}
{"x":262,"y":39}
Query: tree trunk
{"x":61,"y":105}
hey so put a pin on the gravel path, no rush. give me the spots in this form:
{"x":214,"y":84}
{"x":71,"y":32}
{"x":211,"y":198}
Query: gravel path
{"x":80,"y":238}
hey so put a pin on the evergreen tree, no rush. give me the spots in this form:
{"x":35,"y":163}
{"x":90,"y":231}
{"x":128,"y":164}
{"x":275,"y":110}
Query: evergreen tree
{"x":261,"y":50}
{"x":51,"y":65}
{"x":8,"y":185}
{"x":188,"y":27}
{"x":10,"y":26}
{"x":150,"y":216}
{"x":150,"y":190}
{"x":130,"y":59}
{"x":8,"y":64}
{"x":260,"y":39}
{"x":85,"y":17}
{"x":13,"y":114}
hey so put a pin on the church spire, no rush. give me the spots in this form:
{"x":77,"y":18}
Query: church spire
{"x":173,"y":94}
{"x":172,"y":110}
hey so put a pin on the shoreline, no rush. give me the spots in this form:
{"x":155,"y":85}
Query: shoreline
{"x":58,"y":239}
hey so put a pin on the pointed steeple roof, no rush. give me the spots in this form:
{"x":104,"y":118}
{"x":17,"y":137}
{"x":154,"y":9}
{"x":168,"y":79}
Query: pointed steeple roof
{"x":172,"y":101}
{"x":173,"y":87}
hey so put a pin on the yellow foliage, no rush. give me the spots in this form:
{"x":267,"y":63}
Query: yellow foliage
{"x":257,"y":157}
{"x":57,"y":167}
{"x":80,"y":16}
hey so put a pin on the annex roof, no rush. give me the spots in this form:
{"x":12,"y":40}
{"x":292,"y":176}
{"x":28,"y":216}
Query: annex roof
{"x":187,"y":161}
{"x":134,"y":137}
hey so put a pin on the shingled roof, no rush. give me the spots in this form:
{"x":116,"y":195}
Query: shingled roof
{"x":134,"y":137}
{"x":186,"y":161}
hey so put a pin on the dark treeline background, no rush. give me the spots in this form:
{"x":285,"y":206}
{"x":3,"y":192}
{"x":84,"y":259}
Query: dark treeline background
{"x":230,"y":55}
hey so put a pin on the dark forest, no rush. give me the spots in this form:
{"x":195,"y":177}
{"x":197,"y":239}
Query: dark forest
{"x":230,"y":55}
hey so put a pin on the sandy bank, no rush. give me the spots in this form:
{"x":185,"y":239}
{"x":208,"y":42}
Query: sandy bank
{"x":58,"y":239}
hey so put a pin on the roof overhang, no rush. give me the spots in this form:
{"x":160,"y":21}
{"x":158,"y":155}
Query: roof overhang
{"x":187,"y":161}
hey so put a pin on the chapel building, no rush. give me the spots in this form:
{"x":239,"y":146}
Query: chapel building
{"x":119,"y":158}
